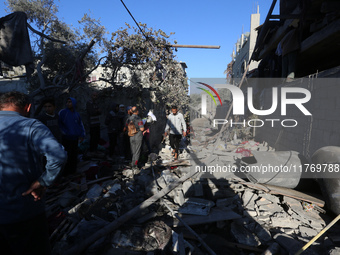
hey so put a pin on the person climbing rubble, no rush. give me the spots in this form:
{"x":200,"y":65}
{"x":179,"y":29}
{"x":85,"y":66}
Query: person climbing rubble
{"x":177,"y":127}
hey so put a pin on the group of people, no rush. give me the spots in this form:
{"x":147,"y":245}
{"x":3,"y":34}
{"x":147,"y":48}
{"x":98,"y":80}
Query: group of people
{"x":34,"y":153}
{"x":68,"y":129}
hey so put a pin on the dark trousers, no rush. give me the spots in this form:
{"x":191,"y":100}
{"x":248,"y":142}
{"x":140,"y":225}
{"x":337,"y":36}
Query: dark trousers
{"x":94,"y":137}
{"x":113,"y":143}
{"x":29,"y":237}
{"x":71,"y":147}
{"x":127,"y":147}
{"x":174,"y":142}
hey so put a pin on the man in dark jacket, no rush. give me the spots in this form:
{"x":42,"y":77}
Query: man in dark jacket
{"x":50,"y":118}
{"x":114,"y":127}
{"x":23,"y":142}
{"x":72,"y":128}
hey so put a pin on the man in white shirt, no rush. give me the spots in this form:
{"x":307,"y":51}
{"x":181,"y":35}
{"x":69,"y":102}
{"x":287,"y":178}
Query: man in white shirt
{"x":177,"y":127}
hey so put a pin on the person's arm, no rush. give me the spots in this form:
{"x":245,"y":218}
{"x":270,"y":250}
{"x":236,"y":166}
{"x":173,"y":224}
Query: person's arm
{"x":45,"y":144}
{"x":184,"y":126}
{"x":141,"y":125}
{"x":167,"y":127}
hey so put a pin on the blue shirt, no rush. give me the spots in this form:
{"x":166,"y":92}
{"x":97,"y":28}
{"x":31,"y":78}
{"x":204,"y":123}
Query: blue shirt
{"x":23,"y":143}
{"x":70,"y":123}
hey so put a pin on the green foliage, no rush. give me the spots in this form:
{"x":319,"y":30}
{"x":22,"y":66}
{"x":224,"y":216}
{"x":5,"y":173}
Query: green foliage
{"x":148,"y":54}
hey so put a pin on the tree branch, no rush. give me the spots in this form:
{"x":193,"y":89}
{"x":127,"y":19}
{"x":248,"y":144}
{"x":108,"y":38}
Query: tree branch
{"x":45,"y":36}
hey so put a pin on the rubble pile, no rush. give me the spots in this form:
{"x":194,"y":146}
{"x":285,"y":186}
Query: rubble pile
{"x":186,"y":212}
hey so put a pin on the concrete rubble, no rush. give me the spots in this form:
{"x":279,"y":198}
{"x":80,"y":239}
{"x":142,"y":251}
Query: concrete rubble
{"x":224,"y":211}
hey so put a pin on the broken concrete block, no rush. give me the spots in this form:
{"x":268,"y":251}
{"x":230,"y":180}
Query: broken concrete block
{"x":262,"y":201}
{"x":196,"y":206}
{"x":286,"y":222}
{"x":294,"y":204}
{"x":128,"y":173}
{"x":225,"y":201}
{"x":291,"y":245}
{"x":248,"y":199}
{"x":243,"y":235}
{"x":271,"y":208}
{"x":250,"y":213}
{"x":216,"y":214}
{"x":307,"y":232}
{"x":177,"y":195}
{"x":187,"y":188}
{"x":169,"y":177}
{"x":113,"y":189}
{"x":263,"y":218}
{"x":95,"y":192}
{"x":334,"y":251}
{"x":272,"y":198}
{"x":263,"y":234}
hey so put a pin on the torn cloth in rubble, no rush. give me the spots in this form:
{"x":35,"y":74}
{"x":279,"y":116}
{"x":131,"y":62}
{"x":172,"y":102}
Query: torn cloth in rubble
{"x":15,"y":46}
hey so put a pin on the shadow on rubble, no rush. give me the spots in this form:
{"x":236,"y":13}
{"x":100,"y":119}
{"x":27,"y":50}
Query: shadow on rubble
{"x":223,"y":214}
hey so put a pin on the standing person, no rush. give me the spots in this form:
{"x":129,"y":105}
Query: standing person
{"x":177,"y":127}
{"x":93,"y":116}
{"x":126,"y":138}
{"x":114,"y":128}
{"x":50,"y":118}
{"x":135,"y":128}
{"x":23,"y":224}
{"x":72,"y":128}
{"x":122,"y":117}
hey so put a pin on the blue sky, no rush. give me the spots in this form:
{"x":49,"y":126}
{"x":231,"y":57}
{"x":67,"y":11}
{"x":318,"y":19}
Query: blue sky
{"x":196,"y":22}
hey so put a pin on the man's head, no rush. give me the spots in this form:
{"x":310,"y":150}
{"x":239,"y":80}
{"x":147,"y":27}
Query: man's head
{"x":49,"y":106}
{"x":174,"y":109}
{"x":69,"y":104}
{"x":15,"y":101}
{"x":129,"y":110}
{"x":134,"y":110}
{"x":122,"y":108}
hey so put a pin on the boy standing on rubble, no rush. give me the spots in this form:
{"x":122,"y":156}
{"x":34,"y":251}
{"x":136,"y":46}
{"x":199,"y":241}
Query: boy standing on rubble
{"x":23,"y":224}
{"x":177,"y":127}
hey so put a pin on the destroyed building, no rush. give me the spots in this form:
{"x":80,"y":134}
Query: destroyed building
{"x":186,"y":207}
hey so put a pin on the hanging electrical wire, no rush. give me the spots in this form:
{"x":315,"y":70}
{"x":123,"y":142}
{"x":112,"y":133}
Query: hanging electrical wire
{"x":159,"y":66}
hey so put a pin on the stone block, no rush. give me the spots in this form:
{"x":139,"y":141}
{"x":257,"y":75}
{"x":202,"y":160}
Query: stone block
{"x":248,"y":199}
{"x":243,"y":235}
{"x":307,"y":232}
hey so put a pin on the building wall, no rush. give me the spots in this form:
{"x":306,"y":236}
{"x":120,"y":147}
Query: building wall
{"x":7,"y":85}
{"x":245,"y":47}
{"x":312,"y":132}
